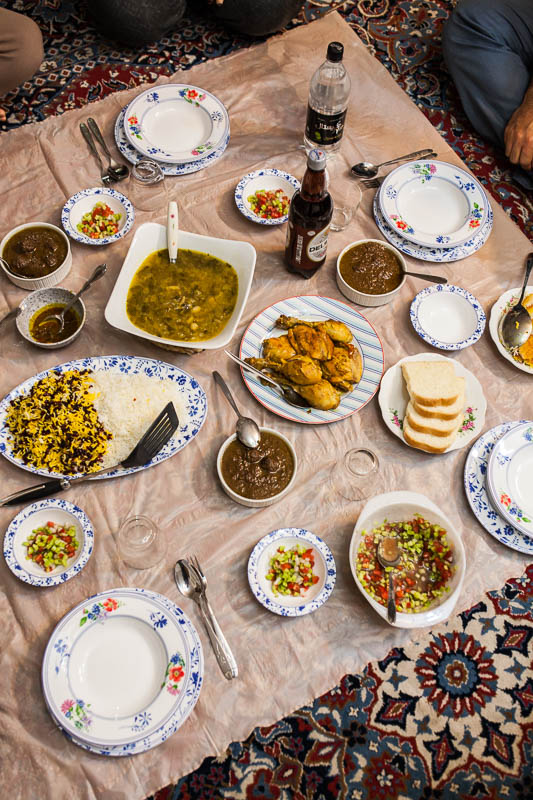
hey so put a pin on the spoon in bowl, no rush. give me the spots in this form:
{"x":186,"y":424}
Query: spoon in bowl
{"x":365,"y":169}
{"x":247,"y":430}
{"x":172,"y":231}
{"x":60,"y":318}
{"x":516,"y":325}
{"x":389,"y":555}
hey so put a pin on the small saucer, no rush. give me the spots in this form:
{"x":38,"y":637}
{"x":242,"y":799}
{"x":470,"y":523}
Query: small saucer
{"x":267,"y":180}
{"x":84,"y":202}
{"x":447,"y":317}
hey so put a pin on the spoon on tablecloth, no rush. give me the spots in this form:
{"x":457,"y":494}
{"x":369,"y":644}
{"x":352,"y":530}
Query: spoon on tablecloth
{"x":388,"y":554}
{"x":516,"y":325}
{"x":365,"y":169}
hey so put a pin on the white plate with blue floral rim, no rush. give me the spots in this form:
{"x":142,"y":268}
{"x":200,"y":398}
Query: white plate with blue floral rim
{"x":475,"y":475}
{"x":436,"y":255}
{"x":35,"y":516}
{"x":268,"y":180}
{"x":88,"y":682}
{"x":315,"y":309}
{"x":433,"y":203}
{"x":510,"y":477}
{"x":259,"y":563}
{"x":194,"y":398}
{"x":84,"y":202}
{"x":447,"y":317}
{"x":176,"y":123}
{"x":506,"y":301}
{"x":394,"y":397}
{"x":134,"y":156}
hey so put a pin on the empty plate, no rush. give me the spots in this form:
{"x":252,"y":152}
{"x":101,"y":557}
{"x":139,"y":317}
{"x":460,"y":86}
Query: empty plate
{"x":447,"y":317}
{"x":509,"y":477}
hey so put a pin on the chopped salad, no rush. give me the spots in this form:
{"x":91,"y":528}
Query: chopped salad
{"x":51,"y":545}
{"x":269,"y":204}
{"x":100,"y":222}
{"x":291,"y":571}
{"x":425,"y":568}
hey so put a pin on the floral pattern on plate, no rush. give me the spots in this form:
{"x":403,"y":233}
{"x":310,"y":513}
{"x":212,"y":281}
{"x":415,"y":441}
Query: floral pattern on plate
{"x":506,"y":301}
{"x":509,"y":477}
{"x":70,"y":217}
{"x":78,"y":713}
{"x":174,"y":674}
{"x":441,"y":290}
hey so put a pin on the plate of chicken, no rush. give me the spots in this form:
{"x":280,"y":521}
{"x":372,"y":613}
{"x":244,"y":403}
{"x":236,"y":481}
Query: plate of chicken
{"x":323,"y":348}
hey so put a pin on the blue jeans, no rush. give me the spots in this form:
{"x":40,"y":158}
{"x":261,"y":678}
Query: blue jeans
{"x":488,"y":49}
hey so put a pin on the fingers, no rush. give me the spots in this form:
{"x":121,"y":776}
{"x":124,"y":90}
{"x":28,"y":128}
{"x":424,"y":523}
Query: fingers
{"x":518,"y":137}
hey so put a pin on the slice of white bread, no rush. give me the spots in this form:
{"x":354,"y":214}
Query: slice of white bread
{"x":443,"y":412}
{"x":435,"y":426}
{"x":427,"y":441}
{"x":431,"y":383}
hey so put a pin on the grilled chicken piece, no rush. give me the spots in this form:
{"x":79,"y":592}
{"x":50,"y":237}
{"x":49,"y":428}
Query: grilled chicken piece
{"x":300,"y":370}
{"x":278,"y":348}
{"x":321,"y":395}
{"x":336,"y":330}
{"x":345,"y":368}
{"x":309,"y":341}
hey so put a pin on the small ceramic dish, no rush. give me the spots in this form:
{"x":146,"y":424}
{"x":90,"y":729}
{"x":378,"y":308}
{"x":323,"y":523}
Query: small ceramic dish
{"x":267,"y":180}
{"x":35,"y":516}
{"x":83,"y":202}
{"x":447,"y":317}
{"x":53,"y":278}
{"x":38,"y":300}
{"x":362,"y":298}
{"x":400,"y":507}
{"x":500,"y":307}
{"x":259,"y":565}
{"x":246,"y":501}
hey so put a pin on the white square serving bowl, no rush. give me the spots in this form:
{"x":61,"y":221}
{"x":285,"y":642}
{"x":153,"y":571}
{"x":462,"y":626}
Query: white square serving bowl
{"x":152,"y":236}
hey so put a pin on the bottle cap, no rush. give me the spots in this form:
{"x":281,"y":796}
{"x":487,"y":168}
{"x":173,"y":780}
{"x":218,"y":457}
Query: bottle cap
{"x":335,"y":51}
{"x":316,"y":159}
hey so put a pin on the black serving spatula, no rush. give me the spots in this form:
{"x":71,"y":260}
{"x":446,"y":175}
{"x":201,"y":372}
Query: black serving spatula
{"x":147,"y":448}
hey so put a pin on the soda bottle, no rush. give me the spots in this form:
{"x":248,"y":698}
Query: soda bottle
{"x":309,"y":217}
{"x":329,"y":92}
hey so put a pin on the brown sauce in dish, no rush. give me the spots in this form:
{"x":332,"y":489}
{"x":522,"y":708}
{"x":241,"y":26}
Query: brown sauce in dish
{"x":259,"y":473}
{"x":49,"y":332}
{"x":371,"y":268}
{"x":35,"y":252}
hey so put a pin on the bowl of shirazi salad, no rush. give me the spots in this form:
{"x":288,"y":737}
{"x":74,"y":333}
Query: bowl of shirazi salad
{"x":430,"y":574}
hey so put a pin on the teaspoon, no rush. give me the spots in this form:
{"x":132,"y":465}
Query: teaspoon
{"x":516,"y":325}
{"x":287,"y":392}
{"x":431,"y":278}
{"x":116,"y":171}
{"x":247,"y":430}
{"x":389,"y":555}
{"x":365,"y":169}
{"x":99,"y":271}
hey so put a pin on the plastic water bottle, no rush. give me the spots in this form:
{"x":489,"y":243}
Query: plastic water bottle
{"x":328,"y":99}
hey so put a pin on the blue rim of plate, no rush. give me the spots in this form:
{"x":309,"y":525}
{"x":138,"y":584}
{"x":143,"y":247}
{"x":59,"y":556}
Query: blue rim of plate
{"x":97,"y":192}
{"x":436,"y":255}
{"x":189,"y":697}
{"x":240,"y":197}
{"x":498,"y":465}
{"x":315,"y":307}
{"x":68,"y":572}
{"x":195,"y":400}
{"x":447,"y":289}
{"x":476,"y":493}
{"x":272,"y":603}
{"x":134,"y":156}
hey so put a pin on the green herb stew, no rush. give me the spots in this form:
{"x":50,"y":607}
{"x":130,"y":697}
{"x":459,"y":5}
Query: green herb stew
{"x":189,"y":301}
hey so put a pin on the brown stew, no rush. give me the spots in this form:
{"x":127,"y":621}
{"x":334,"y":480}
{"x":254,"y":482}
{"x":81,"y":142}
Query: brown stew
{"x":371,"y":268}
{"x":259,"y":473}
{"x":35,"y":252}
{"x":47,"y":331}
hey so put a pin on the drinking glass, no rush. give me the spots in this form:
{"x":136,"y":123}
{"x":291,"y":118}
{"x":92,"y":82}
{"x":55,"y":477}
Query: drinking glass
{"x":355,"y":476}
{"x":140,"y":543}
{"x":345,"y":193}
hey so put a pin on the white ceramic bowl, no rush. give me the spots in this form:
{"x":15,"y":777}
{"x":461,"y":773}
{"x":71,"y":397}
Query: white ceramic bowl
{"x":362,"y":298}
{"x":268,"y":180}
{"x":53,"y":278}
{"x":83,"y":202}
{"x":39,"y":299}
{"x":400,"y":506}
{"x":150,"y":237}
{"x":447,"y":317}
{"x":246,"y":501}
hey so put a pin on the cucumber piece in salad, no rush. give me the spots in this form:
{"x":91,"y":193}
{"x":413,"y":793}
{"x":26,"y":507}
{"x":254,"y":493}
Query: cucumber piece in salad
{"x":291,"y":571}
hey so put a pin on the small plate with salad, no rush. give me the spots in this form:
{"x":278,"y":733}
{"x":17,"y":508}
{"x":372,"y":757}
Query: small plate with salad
{"x":264,"y":196}
{"x":97,"y":216}
{"x":48,"y":542}
{"x":291,"y":572}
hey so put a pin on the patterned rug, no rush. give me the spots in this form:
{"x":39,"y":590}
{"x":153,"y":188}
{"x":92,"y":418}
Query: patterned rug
{"x":449,"y":717}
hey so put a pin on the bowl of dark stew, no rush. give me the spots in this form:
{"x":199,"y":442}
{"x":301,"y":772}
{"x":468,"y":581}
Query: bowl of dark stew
{"x":257,"y":477}
{"x":370,"y":272}
{"x":35,"y":255}
{"x":34,"y":323}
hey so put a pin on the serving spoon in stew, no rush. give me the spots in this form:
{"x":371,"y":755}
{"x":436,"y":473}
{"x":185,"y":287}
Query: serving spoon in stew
{"x":247,"y":429}
{"x":388,"y":554}
{"x":60,"y":318}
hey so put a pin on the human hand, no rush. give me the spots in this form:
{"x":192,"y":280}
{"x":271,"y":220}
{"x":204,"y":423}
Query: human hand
{"x":518,"y":136}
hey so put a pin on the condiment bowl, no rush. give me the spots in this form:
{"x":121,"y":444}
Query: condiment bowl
{"x":246,"y":501}
{"x":362,"y":298}
{"x":38,"y":300}
{"x":269,"y":180}
{"x":83,"y":202}
{"x":401,"y":507}
{"x":53,"y":278}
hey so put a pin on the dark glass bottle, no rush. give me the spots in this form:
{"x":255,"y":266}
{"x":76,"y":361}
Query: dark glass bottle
{"x":309,"y":217}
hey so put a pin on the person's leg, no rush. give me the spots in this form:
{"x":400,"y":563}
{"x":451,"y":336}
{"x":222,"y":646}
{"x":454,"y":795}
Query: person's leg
{"x":253,"y":17}
{"x":488,"y":49}
{"x":21,"y":50}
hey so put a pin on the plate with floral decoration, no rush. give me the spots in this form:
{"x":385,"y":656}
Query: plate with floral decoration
{"x":510,"y":477}
{"x":502,"y":305}
{"x":447,"y":317}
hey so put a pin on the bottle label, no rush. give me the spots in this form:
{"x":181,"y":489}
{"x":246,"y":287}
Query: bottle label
{"x":324,"y":129}
{"x":317,"y":246}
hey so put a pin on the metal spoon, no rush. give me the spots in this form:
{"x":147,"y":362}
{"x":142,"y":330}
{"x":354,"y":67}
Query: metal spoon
{"x":287,"y":392}
{"x":99,"y":271}
{"x":247,"y":430}
{"x":516,"y":325}
{"x":116,"y":171}
{"x":389,"y":555}
{"x":13,"y":313}
{"x":365,"y":169}
{"x":432,"y":278}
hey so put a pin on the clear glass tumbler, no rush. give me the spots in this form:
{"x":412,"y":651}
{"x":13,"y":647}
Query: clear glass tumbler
{"x":355,"y":476}
{"x":140,"y":542}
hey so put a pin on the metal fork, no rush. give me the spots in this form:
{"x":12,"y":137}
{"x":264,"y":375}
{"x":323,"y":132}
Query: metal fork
{"x":371,"y":183}
{"x":104,"y":175}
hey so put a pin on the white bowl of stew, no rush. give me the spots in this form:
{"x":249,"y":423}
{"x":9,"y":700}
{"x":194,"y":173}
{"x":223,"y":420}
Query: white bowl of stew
{"x":36,"y":264}
{"x":163,"y":302}
{"x":378,"y":279}
{"x":394,"y":507}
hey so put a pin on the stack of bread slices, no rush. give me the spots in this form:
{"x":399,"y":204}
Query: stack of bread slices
{"x":434,"y":413}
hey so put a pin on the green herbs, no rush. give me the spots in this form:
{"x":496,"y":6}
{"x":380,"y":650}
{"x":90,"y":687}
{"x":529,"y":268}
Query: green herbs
{"x":51,"y":545}
{"x":291,"y":571}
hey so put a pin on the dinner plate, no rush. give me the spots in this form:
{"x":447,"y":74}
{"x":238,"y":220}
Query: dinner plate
{"x":134,"y":156}
{"x":88,"y":682}
{"x":447,"y":317}
{"x":35,"y":516}
{"x":476,"y":492}
{"x":315,"y":308}
{"x":394,"y":397}
{"x":502,"y":304}
{"x":510,"y":477}
{"x":433,"y":254}
{"x":433,"y":203}
{"x":176,"y":123}
{"x":259,"y":563}
{"x":195,"y":402}
{"x":268,"y":180}
{"x":83,"y":202}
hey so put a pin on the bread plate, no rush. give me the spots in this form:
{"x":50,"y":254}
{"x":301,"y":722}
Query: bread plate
{"x":393,"y":399}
